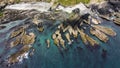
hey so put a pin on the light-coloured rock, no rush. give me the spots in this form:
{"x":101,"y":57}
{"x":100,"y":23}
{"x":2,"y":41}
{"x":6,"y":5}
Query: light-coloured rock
{"x":14,"y":57}
{"x":67,"y":35}
{"x":95,"y":21}
{"x":86,"y":39}
{"x":28,"y":39}
{"x":17,"y":32}
{"x":83,"y":36}
{"x":53,"y":36}
{"x":56,"y":42}
{"x":106,"y":30}
{"x":99,"y":34}
{"x":91,"y":41}
{"x":48,"y":43}
{"x":15,"y":43}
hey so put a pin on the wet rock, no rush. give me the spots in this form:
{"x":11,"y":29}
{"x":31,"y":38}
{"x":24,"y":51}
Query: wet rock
{"x":28,"y":39}
{"x":56,"y":42}
{"x":116,"y":21}
{"x":86,"y":39}
{"x":48,"y":43}
{"x":2,"y":6}
{"x":106,"y":30}
{"x":67,"y":35}
{"x":95,"y":21}
{"x":2,"y":27}
{"x":99,"y":34}
{"x":17,"y":32}
{"x":83,"y":36}
{"x":104,"y":53}
{"x":15,"y":43}
{"x":14,"y":58}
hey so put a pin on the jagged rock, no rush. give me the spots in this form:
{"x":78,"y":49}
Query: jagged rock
{"x":2,"y":27}
{"x":105,"y":17}
{"x":99,"y":34}
{"x":83,"y":36}
{"x":86,"y":39}
{"x":56,"y":42}
{"x":17,"y":32}
{"x":2,"y":6}
{"x":106,"y":30}
{"x":41,"y":29}
{"x":28,"y":39}
{"x":62,"y":42}
{"x":14,"y":58}
{"x":95,"y":21}
{"x":53,"y":36}
{"x":67,"y":35}
{"x":15,"y":43}
{"x":116,"y":21}
{"x":48,"y":43}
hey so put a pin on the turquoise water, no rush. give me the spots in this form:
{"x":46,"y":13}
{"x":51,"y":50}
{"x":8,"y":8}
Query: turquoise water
{"x":76,"y":55}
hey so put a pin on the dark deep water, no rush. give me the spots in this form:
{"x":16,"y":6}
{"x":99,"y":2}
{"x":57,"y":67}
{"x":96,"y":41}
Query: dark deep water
{"x":77,"y":55}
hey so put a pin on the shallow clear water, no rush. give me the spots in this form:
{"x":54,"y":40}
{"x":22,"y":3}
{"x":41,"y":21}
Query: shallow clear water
{"x":77,"y":55}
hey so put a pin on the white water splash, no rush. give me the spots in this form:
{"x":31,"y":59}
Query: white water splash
{"x":40,"y":6}
{"x":81,"y":6}
{"x":44,"y":7}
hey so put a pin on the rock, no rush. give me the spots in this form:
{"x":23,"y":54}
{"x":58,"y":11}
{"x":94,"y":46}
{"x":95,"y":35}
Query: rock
{"x":67,"y":35}
{"x":95,"y":21}
{"x":99,"y":34}
{"x":17,"y":32}
{"x":105,"y":17}
{"x":106,"y":30}
{"x":77,"y":10}
{"x":75,"y":33}
{"x":56,"y":42}
{"x":83,"y":36}
{"x":28,"y":39}
{"x":48,"y":43}
{"x":53,"y":36}
{"x":2,"y":27}
{"x":116,"y":21}
{"x":41,"y":29}
{"x":91,"y":41}
{"x":15,"y":43}
{"x":14,"y":58}
{"x":62,"y":42}
{"x":2,"y":6}
{"x":86,"y":39}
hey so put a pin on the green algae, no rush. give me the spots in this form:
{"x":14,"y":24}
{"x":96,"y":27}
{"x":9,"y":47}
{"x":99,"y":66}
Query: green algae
{"x":1,"y":14}
{"x":70,"y":2}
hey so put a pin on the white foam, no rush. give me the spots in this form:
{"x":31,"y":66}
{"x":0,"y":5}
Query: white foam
{"x":81,"y":6}
{"x":44,"y":7}
{"x":40,"y":6}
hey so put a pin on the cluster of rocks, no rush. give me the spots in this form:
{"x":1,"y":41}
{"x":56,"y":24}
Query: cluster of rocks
{"x":70,"y":29}
{"x":21,"y":37}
